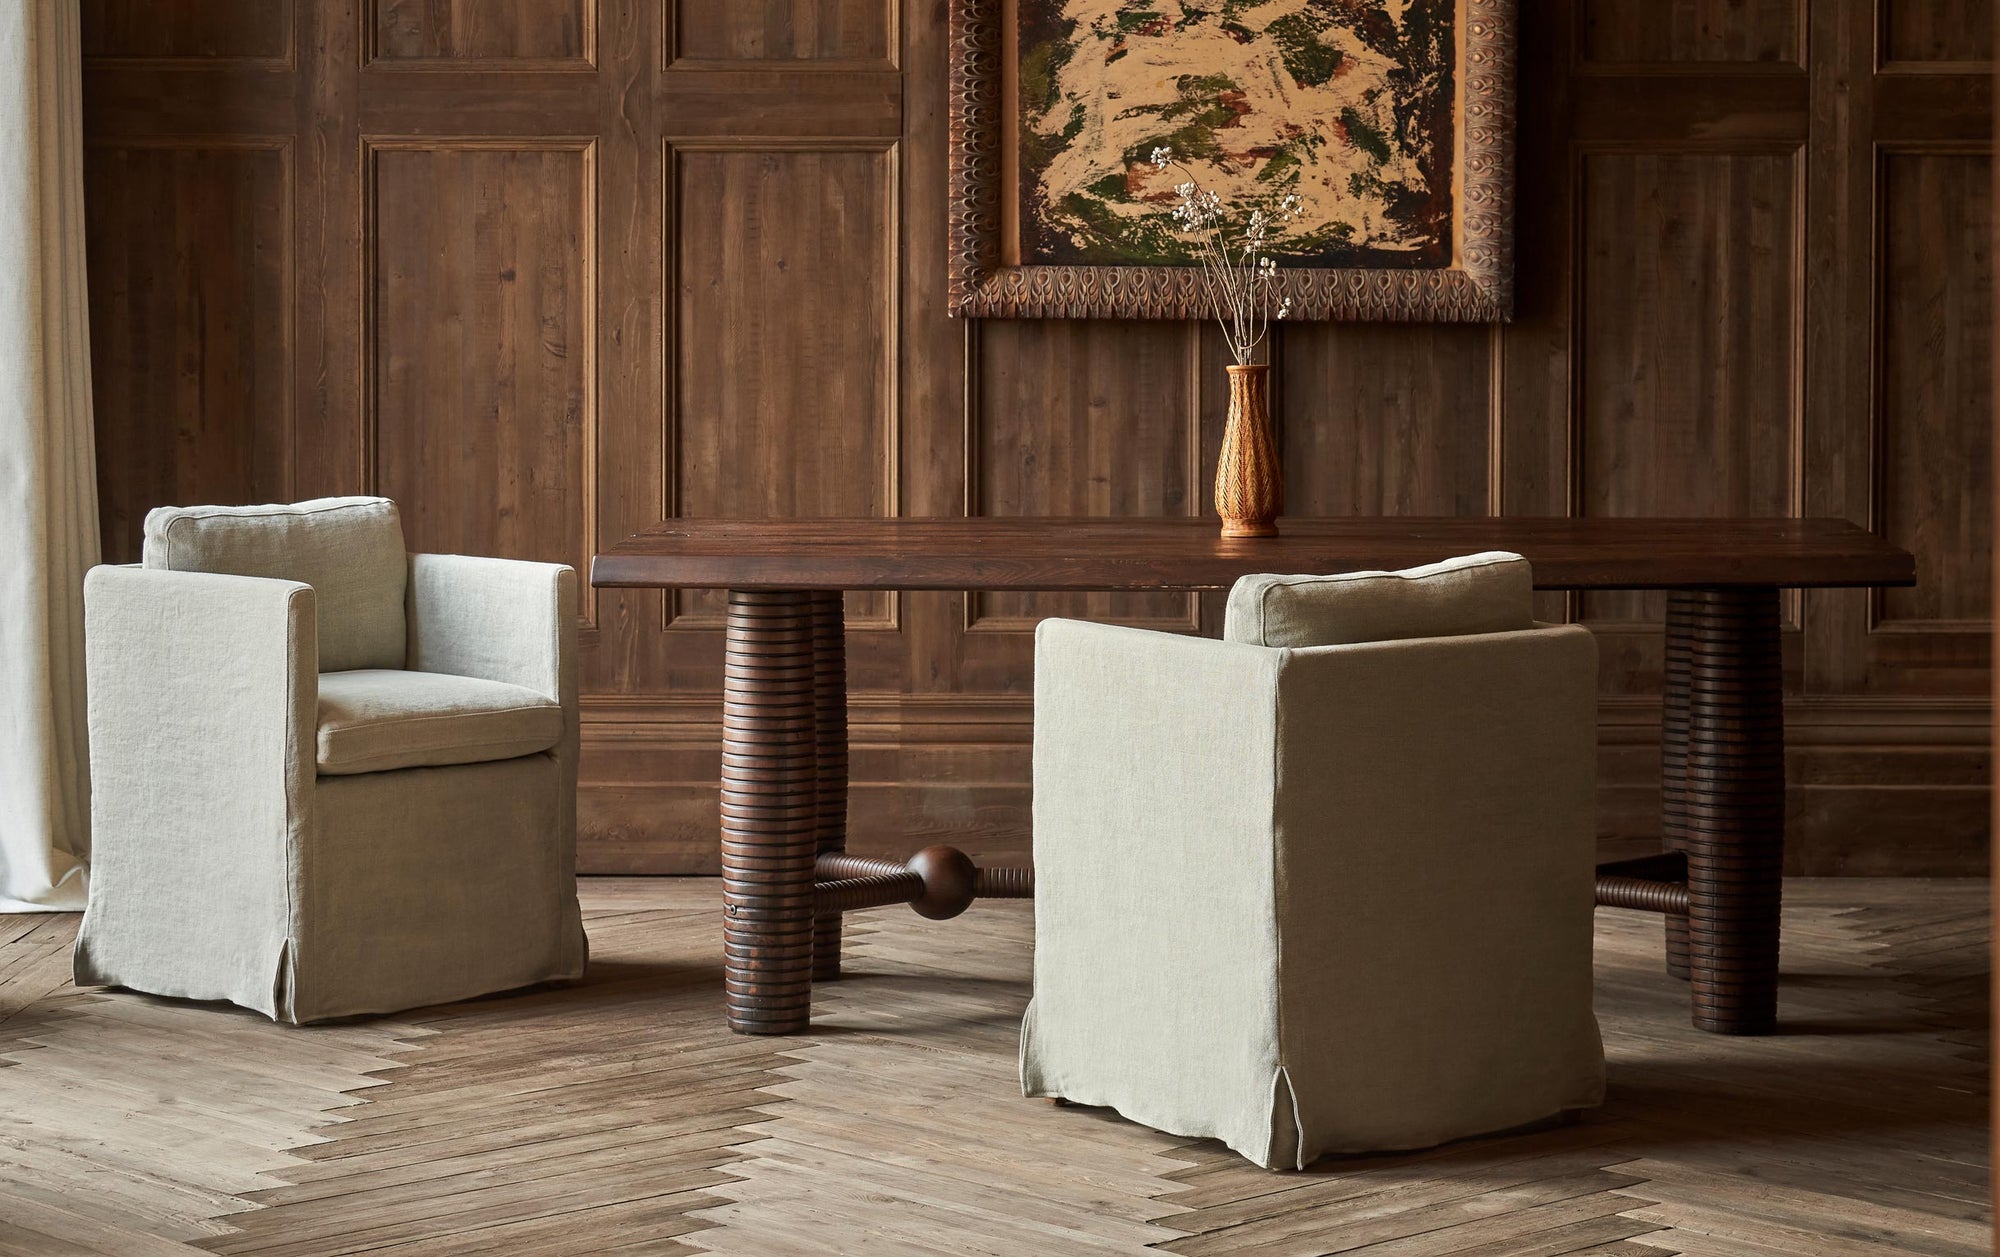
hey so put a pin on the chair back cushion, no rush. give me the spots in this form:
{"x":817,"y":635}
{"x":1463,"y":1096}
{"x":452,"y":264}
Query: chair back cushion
{"x":350,"y":550}
{"x":1480,"y":593}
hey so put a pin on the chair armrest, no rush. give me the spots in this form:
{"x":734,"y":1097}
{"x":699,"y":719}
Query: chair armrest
{"x":1154,"y":768}
{"x":203,"y":698}
{"x":1151,"y":743}
{"x":193,"y":666}
{"x":512,"y":621}
{"x":495,"y":619}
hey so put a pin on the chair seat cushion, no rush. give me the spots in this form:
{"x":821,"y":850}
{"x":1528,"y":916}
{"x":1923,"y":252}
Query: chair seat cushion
{"x":375,"y":719}
{"x":1491,"y":592}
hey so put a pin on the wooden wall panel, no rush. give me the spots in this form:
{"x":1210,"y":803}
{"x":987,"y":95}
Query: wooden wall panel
{"x":1690,"y":30}
{"x":785,"y":371}
{"x":780,"y":30}
{"x":1937,"y":30}
{"x":1382,"y":419}
{"x":548,"y":271}
{"x":189,"y":324}
{"x":480,"y":30}
{"x":1086,"y":418}
{"x":201,"y":30}
{"x":1936,"y":397}
{"x":1687,"y":397}
{"x":483,"y":296}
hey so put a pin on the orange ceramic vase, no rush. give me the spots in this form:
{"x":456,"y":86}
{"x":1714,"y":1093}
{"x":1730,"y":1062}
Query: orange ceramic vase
{"x":1249,"y":491}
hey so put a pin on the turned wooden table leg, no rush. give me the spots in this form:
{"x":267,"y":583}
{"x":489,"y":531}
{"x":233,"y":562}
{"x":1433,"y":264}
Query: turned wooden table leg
{"x":770,"y":817}
{"x":830,"y":707}
{"x":1734,"y":798}
{"x":1673,"y":759}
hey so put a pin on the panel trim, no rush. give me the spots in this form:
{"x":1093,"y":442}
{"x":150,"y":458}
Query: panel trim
{"x":973,"y":617}
{"x":282,"y":145}
{"x":1005,"y":717}
{"x":1980,"y":629}
{"x":927,"y":763}
{"x":1496,"y":420}
{"x":1878,"y":621}
{"x":369,"y":342}
{"x":372,"y":58}
{"x":1905,"y":68}
{"x":681,"y":66}
{"x":1721,"y":70}
{"x":672,"y":62}
{"x":1886,"y":65}
{"x":673,"y":618}
{"x":1588,"y":67}
{"x":1791,"y":606}
{"x":285,"y":61}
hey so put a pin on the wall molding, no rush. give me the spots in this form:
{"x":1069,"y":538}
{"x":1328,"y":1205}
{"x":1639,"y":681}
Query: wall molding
{"x":369,"y":38}
{"x":944,"y":767}
{"x":675,"y":618}
{"x":369,"y":342}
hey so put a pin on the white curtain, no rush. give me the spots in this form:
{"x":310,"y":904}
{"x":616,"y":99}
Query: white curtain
{"x":48,"y":493}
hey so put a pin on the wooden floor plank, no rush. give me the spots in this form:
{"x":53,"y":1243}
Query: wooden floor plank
{"x":616,"y":1115}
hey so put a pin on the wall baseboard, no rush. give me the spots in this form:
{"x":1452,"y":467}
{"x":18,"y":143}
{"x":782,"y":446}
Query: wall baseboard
{"x":1879,"y":787}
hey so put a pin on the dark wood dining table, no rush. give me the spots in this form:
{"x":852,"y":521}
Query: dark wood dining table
{"x":787,"y":877}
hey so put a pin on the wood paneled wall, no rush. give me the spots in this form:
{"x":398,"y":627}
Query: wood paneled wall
{"x":550,"y":270}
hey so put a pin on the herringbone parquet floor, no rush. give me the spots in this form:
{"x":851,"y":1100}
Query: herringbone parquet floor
{"x":617,"y":1116}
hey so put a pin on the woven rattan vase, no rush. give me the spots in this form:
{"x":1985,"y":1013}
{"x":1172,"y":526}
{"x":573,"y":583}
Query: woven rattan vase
{"x":1249,"y":490}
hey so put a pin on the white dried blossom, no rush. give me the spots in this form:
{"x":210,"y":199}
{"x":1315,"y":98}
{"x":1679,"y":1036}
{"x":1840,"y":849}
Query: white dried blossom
{"x":1236,"y":272}
{"x":1198,"y":209}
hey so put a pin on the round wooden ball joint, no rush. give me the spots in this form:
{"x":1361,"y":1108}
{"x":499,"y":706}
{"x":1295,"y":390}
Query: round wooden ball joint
{"x":951,"y":882}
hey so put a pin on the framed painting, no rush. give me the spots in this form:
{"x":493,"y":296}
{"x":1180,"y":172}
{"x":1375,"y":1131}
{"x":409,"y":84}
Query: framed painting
{"x":1391,"y":121}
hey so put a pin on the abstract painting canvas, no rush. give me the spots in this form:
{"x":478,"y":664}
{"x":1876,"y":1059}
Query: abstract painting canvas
{"x":1349,"y":105}
{"x":1389,"y":120}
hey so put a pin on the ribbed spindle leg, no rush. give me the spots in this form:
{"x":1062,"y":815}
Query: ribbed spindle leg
{"x":1735,"y":799}
{"x":830,"y":704}
{"x":770,"y":813}
{"x":1673,"y":757}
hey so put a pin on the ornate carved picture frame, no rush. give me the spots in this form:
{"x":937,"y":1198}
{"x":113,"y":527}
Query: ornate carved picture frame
{"x":988,"y":277}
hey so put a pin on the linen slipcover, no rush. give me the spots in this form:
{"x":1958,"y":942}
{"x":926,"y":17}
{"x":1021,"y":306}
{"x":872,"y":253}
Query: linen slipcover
{"x":1491,"y":592}
{"x":1314,"y":900}
{"x":229,"y":868}
{"x":377,"y":719}
{"x":350,"y":550}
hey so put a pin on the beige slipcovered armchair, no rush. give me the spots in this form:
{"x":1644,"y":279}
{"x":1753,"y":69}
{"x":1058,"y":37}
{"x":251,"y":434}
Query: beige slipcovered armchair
{"x":1324,"y":886}
{"x":329,"y":778}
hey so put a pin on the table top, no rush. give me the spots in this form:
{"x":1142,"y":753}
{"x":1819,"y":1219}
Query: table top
{"x":1047,"y":553}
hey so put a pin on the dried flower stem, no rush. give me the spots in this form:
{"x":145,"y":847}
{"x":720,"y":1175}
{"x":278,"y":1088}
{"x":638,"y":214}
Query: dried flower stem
{"x":1236,"y":274}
